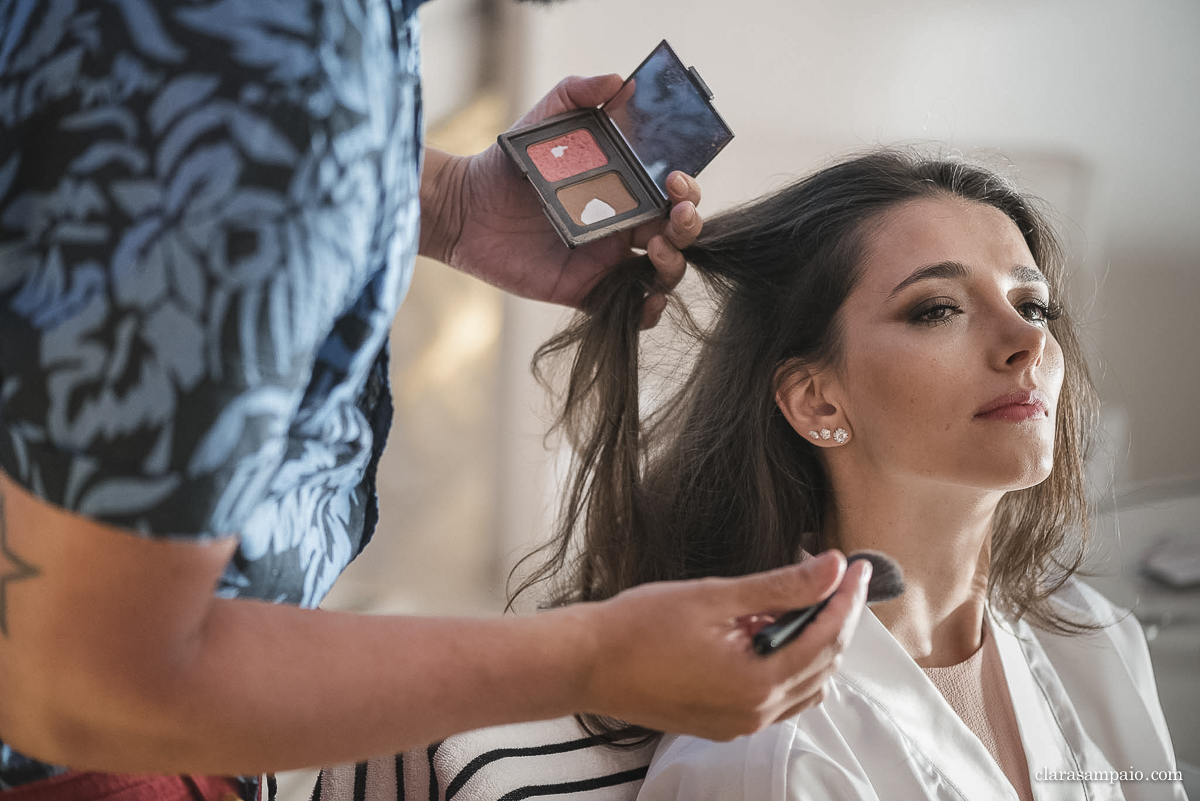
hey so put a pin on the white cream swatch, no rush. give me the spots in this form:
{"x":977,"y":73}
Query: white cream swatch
{"x":595,"y":211}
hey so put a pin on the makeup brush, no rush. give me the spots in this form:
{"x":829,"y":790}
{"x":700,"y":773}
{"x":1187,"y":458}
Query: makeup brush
{"x":887,"y":582}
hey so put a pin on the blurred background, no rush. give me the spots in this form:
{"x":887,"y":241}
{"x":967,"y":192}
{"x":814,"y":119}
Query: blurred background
{"x":1094,"y":105}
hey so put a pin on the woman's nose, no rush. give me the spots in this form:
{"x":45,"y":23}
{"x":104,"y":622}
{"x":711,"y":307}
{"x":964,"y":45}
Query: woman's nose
{"x":1023,"y":343}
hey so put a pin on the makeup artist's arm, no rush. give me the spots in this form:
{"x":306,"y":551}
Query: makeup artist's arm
{"x":480,"y":215}
{"x":115,"y":655}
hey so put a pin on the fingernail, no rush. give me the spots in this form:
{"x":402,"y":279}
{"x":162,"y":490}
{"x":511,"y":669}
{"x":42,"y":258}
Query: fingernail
{"x":679,"y":184}
{"x":865,"y":579}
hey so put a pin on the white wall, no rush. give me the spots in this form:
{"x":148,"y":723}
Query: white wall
{"x":1110,"y":82}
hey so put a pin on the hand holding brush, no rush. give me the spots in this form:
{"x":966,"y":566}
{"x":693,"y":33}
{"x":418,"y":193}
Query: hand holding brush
{"x":887,"y":582}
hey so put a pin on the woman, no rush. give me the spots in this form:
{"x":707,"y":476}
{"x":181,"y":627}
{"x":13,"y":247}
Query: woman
{"x":889,"y":367}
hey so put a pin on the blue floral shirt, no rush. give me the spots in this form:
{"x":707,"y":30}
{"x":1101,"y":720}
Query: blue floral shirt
{"x":208,"y":216}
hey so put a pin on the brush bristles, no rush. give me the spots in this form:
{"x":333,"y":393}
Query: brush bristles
{"x":887,"y":579}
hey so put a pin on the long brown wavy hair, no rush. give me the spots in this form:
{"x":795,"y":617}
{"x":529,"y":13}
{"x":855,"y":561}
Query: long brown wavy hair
{"x":714,"y":481}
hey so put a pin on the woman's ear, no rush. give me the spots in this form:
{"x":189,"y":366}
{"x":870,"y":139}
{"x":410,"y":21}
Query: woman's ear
{"x":803,"y":395}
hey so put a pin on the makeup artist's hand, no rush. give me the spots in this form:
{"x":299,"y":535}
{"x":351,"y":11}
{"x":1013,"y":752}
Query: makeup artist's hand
{"x":677,"y":656}
{"x":480,"y":215}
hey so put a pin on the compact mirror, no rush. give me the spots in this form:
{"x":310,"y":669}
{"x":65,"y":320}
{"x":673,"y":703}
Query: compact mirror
{"x":665,"y":114}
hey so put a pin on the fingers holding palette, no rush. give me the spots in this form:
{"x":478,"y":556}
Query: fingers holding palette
{"x":602,"y":170}
{"x":588,"y":183}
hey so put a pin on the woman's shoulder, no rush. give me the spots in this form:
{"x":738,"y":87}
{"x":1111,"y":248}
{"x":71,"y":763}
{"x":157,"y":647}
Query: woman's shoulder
{"x":1079,"y":602}
{"x":1108,"y":677}
{"x":1105,"y":627}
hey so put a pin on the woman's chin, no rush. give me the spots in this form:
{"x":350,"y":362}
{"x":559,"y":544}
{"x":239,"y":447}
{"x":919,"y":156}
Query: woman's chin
{"x":1022,"y":473}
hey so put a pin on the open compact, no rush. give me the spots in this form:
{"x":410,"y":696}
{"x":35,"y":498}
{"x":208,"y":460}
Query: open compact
{"x":601,"y":170}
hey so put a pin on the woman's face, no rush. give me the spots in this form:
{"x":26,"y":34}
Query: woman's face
{"x":949,"y":372}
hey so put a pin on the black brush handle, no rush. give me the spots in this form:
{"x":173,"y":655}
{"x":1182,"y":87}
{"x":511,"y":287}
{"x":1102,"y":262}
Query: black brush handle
{"x":887,"y":582}
{"x":772,"y":637}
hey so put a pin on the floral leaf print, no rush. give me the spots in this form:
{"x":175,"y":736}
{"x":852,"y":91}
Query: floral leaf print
{"x":208,"y":215}
{"x":147,"y":33}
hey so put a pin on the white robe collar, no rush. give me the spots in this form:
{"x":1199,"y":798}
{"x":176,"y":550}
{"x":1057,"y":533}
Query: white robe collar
{"x":878,"y":668}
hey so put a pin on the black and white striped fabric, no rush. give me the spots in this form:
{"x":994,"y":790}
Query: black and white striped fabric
{"x":552,"y":759}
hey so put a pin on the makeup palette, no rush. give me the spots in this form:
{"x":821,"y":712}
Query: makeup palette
{"x":602,"y":170}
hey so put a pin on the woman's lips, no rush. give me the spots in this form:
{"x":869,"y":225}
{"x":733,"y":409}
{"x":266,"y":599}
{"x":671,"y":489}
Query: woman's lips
{"x":1016,"y":407}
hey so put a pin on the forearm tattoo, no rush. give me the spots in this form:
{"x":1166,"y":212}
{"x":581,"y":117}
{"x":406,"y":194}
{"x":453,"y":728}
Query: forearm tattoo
{"x":12,"y":568}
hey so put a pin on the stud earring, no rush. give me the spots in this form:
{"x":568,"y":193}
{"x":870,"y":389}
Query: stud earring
{"x":814,"y":435}
{"x":840,"y":436}
{"x":825,"y":433}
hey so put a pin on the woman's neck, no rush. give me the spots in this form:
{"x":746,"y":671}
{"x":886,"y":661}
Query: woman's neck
{"x":942,"y":541}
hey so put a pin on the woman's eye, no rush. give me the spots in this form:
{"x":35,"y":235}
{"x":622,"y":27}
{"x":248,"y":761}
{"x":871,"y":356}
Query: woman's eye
{"x":1037,"y":311}
{"x":935,"y":312}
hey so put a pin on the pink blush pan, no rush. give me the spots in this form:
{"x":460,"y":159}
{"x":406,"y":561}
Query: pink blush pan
{"x":567,"y":155}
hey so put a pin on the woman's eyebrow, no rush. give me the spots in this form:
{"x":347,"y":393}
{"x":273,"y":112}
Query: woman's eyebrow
{"x":943,"y":269}
{"x":1022,"y":274}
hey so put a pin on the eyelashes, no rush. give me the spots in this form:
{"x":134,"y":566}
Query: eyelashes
{"x":1045,"y":311}
{"x":935,"y":311}
{"x":941,"y":310}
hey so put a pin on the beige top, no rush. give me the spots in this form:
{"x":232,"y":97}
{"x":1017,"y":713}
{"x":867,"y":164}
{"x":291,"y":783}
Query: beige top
{"x":977,"y":690}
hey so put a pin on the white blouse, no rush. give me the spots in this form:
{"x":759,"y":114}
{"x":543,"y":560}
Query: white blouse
{"x":1086,"y":707}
